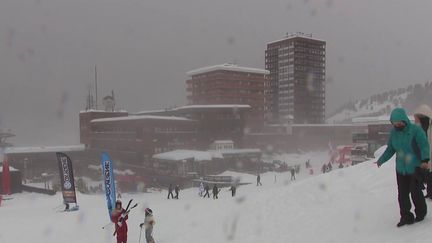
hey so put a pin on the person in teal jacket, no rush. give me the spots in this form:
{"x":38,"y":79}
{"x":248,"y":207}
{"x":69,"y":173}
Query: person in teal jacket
{"x":409,"y":142}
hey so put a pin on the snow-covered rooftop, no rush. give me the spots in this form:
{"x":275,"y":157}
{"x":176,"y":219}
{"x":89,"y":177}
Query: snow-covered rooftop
{"x":223,"y":141}
{"x":117,"y":172}
{"x":10,"y":168}
{"x":213,"y":106}
{"x":178,"y":155}
{"x":238,"y":151}
{"x":324,"y":125}
{"x":227,"y":67}
{"x":376,"y":119}
{"x":93,"y":110}
{"x":232,"y":106}
{"x":146,"y":117}
{"x":297,"y":36}
{"x":44,"y":149}
{"x":149,"y":112}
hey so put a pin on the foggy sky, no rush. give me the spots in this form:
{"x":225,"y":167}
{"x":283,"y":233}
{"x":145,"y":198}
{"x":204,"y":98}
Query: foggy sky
{"x":48,"y":49}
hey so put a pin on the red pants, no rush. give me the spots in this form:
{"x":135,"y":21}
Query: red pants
{"x":121,"y":238}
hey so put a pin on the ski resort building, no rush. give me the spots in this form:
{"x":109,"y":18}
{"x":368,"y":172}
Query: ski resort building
{"x":231,"y":84}
{"x":297,"y":78}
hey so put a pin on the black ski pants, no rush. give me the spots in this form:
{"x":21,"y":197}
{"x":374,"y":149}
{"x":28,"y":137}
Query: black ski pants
{"x":429,"y":184}
{"x":407,"y":184}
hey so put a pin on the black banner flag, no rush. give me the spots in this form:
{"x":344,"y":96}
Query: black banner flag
{"x":66,"y":178}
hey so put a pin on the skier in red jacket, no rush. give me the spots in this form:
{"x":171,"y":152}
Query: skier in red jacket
{"x":119,"y":217}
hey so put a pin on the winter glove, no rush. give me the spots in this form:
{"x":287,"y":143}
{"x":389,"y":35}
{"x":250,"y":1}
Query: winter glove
{"x":425,"y":164}
{"x":420,"y":176}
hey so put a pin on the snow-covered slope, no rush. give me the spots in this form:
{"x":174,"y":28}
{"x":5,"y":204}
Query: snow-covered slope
{"x":382,"y":104}
{"x":355,"y":204}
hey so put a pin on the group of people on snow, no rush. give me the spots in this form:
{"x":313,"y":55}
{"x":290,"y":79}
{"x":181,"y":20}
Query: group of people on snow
{"x":176,"y":190}
{"x":409,"y":141}
{"x":326,"y":167}
{"x":119,"y":217}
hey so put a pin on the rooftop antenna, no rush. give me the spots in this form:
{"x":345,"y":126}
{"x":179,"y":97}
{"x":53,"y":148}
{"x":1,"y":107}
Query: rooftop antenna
{"x":96,"y":87}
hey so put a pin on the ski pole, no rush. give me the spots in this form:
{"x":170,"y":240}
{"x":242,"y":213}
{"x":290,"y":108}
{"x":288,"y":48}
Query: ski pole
{"x":103,"y":227}
{"x":140,"y":234}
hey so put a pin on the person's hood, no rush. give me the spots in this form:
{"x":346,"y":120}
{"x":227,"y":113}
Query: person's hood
{"x":424,"y":110}
{"x":399,"y":114}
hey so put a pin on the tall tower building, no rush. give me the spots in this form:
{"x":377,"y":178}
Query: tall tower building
{"x":297,"y":78}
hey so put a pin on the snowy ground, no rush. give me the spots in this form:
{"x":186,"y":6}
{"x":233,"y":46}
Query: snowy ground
{"x":355,"y":204}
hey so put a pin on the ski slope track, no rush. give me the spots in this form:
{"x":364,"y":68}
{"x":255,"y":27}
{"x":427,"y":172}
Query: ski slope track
{"x":354,"y":204}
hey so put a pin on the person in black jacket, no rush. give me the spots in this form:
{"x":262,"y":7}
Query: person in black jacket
{"x":206,"y":189}
{"x":259,"y":180}
{"x":170,"y":191}
{"x":215,"y":192}
{"x":177,"y":190}
{"x":329,"y":166}
{"x":233,"y":190}
{"x":292,"y":170}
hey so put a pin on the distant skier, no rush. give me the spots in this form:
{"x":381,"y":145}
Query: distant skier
{"x":311,"y":171}
{"x":207,"y":191}
{"x":148,"y":224}
{"x":329,"y":167}
{"x":201,"y":189}
{"x":297,"y":169}
{"x":293,"y":174}
{"x":66,"y":206}
{"x":324,"y":168}
{"x":177,"y":190}
{"x":119,"y":218}
{"x":170,"y":191}
{"x":215,"y":192}
{"x":233,"y":190}
{"x":259,"y":180}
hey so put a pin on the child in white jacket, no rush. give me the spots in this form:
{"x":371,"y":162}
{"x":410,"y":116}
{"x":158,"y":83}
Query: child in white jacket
{"x":148,"y":225}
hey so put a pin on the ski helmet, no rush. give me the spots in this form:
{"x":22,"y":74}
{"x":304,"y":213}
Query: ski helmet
{"x":148,"y":211}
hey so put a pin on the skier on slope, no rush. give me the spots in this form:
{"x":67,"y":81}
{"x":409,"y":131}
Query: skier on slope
{"x":119,"y":218}
{"x":201,"y":189}
{"x":329,"y":167}
{"x":423,"y":117}
{"x":177,"y":190}
{"x":292,"y":170}
{"x":409,"y":142}
{"x":233,"y":190}
{"x":170,"y":191}
{"x":259,"y":180}
{"x":148,"y":225}
{"x":215,"y":192}
{"x":207,"y":191}
{"x":324,"y":168}
{"x":66,"y":205}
